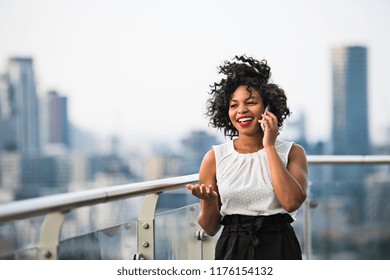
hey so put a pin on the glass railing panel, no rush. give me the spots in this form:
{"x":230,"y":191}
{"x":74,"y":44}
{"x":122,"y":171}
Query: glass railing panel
{"x":175,"y":199}
{"x":23,"y":254}
{"x":114,"y":243}
{"x":352,"y":218}
{"x":88,"y":219}
{"x":105,"y":231}
{"x":175,"y":234}
{"x":19,"y":239}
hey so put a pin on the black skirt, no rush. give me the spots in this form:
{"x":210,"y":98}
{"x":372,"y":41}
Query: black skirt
{"x":258,"y":238}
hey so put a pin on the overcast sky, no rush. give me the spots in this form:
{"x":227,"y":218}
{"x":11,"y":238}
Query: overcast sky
{"x":144,"y":67}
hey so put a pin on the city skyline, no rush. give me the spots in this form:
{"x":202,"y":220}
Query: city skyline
{"x":117,"y":62}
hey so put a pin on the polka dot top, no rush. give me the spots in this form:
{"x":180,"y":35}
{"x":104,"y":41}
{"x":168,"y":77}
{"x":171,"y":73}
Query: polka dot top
{"x":244,"y":180}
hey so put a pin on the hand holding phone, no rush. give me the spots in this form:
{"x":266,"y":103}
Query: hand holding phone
{"x":260,"y":121}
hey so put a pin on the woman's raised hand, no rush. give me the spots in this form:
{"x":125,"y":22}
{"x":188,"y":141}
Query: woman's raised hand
{"x":202,"y":191}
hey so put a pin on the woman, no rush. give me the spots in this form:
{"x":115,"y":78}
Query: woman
{"x":254,"y":184}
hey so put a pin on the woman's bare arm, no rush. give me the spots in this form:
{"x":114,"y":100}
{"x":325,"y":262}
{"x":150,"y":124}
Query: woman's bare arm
{"x":209,"y":218}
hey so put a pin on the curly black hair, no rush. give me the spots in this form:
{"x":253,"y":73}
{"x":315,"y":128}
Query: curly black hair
{"x":243,"y":70}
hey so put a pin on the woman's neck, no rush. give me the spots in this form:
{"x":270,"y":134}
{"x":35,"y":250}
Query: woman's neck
{"x":248,"y":144}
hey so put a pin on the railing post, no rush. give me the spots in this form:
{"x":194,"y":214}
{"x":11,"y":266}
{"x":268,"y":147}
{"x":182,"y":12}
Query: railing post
{"x":50,"y":236}
{"x":145,"y":228}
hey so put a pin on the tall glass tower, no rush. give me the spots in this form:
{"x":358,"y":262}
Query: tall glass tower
{"x":350,"y":133}
{"x":25,"y":135}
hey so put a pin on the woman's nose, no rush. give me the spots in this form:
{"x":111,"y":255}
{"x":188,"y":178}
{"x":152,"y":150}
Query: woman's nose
{"x":242,"y":109}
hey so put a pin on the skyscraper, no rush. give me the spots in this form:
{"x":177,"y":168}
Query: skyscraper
{"x":8,"y":116}
{"x":350,"y":133}
{"x":21,"y":120}
{"x":58,"y":126}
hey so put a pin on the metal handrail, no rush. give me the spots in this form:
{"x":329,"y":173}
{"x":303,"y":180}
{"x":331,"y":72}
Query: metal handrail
{"x":64,"y":202}
{"x":348,"y":159}
{"x":28,"y":208}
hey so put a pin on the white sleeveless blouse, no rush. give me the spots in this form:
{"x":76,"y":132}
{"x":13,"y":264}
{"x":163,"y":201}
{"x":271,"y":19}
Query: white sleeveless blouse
{"x":244,"y":180}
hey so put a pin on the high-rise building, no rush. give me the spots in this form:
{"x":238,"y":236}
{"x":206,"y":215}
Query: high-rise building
{"x":55,"y":111}
{"x":20,"y":120}
{"x":350,"y":133}
{"x":7,"y":116}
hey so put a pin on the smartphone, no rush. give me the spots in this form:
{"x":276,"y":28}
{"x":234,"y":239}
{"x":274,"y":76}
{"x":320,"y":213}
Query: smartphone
{"x":265,"y":111}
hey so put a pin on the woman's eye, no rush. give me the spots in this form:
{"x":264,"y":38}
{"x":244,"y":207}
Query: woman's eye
{"x":233,"y":105}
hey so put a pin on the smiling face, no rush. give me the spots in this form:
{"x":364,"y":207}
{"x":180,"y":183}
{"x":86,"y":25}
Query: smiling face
{"x":245,"y":109}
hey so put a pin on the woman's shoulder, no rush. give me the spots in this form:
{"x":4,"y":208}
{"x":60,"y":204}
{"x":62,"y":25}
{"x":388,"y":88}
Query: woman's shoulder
{"x":298,"y":150}
{"x":281,"y":143}
{"x":289,"y":146}
{"x":283,"y":146}
{"x":208,"y":163}
{"x":290,"y":151}
{"x":210,"y":154}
